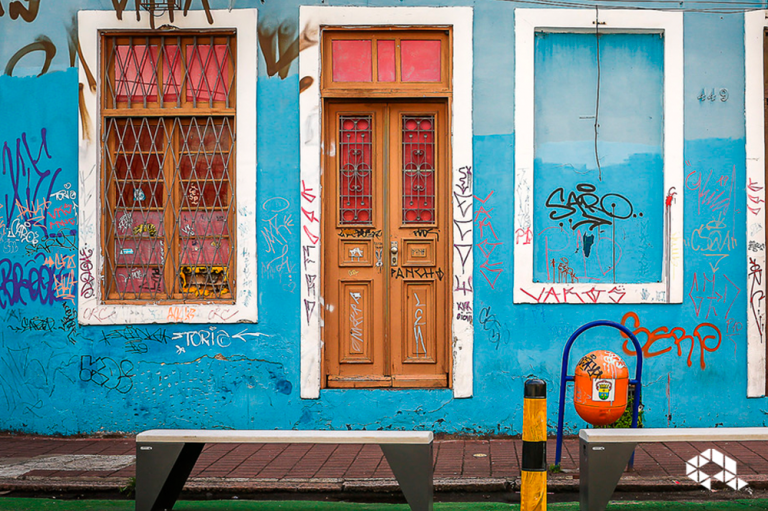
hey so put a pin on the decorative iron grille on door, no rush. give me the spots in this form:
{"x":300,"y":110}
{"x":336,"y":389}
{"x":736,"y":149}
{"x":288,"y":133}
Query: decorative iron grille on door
{"x":168,"y":136}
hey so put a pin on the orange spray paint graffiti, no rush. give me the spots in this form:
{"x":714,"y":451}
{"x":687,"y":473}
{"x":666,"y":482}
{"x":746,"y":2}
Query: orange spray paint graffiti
{"x":704,"y":333}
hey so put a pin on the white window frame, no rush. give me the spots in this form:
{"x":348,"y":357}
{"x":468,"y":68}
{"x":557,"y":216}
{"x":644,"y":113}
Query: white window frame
{"x":311,"y":18}
{"x":527,"y":23}
{"x":755,"y":23}
{"x":91,"y":307}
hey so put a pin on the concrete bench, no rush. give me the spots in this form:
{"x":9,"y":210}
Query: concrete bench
{"x":165,"y":458}
{"x":604,"y":453}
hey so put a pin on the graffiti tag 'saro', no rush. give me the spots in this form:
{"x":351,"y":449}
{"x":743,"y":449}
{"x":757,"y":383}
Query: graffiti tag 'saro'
{"x":727,"y":475}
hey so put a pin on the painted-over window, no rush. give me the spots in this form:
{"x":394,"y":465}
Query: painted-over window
{"x":599,"y":157}
{"x":175,"y":185}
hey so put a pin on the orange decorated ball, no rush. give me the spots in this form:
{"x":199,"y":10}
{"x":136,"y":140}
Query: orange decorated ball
{"x":602,"y":381}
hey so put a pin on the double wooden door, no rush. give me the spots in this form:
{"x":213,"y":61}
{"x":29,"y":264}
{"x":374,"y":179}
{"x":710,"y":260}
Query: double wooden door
{"x":386,"y":244}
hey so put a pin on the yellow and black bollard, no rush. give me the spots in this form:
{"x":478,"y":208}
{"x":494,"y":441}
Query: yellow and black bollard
{"x":533,"y":486}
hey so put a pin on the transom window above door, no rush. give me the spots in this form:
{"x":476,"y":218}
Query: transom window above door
{"x":386,"y":61}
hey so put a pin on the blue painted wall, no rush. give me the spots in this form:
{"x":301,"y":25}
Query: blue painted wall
{"x":59,"y":377}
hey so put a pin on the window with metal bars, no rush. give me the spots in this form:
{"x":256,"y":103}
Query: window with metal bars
{"x":168,"y":161}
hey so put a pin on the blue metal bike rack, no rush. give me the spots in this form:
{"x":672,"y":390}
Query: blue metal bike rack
{"x":565,"y":378}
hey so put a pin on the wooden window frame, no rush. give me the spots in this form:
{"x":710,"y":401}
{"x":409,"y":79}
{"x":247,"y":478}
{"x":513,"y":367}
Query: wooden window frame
{"x":93,"y":307}
{"x":375,"y":88}
{"x":183,"y":110}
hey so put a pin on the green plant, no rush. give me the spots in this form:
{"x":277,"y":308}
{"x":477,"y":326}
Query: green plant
{"x":129,"y":490}
{"x":555,"y":469}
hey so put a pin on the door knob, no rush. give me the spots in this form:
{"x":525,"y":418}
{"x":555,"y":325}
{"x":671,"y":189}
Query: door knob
{"x":393,"y":252}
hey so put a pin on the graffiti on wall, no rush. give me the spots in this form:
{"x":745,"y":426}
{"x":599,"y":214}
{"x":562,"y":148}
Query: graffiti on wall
{"x":276,"y":231}
{"x":492,"y":266}
{"x":134,"y":340}
{"x":715,"y":236}
{"x":37,"y":211}
{"x":309,"y":251}
{"x":664,"y":339}
{"x":211,"y":337}
{"x":756,"y":296}
{"x":19,"y":320}
{"x":37,"y":225}
{"x":585,"y":240}
{"x":463,"y":198}
{"x":553,"y":294}
{"x":107,"y":372}
{"x":281,"y":44}
{"x":713,"y":294}
{"x":498,"y":333}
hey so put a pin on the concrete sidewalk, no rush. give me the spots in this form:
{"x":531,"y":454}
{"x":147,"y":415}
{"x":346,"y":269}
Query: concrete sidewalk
{"x":31,"y":464}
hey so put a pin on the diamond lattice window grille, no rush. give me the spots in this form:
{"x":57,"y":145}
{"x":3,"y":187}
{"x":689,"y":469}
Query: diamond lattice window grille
{"x":192,"y":71}
{"x":168,"y":191}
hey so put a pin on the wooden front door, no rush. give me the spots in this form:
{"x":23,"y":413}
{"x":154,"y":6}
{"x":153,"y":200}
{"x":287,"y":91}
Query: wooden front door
{"x":386,"y":244}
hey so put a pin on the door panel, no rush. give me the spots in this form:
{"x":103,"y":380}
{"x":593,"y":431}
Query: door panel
{"x":386,"y":251}
{"x":354,"y":219}
{"x":356,"y":334}
{"x":418,"y":223}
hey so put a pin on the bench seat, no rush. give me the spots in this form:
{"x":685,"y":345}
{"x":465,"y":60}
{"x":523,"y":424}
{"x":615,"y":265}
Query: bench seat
{"x":223,"y":436}
{"x":604,"y":453}
{"x":643,"y":435}
{"x":165,"y":458}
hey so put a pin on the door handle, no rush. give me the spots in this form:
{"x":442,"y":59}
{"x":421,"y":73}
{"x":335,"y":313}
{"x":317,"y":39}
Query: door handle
{"x":393,"y":253}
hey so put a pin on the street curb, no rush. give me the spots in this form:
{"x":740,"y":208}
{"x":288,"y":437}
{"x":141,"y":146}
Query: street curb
{"x":340,"y":485}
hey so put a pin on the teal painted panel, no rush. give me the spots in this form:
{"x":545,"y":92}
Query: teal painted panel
{"x":598,"y":223}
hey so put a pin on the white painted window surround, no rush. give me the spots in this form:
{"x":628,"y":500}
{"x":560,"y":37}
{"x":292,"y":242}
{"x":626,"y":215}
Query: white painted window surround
{"x":527,"y":23}
{"x":91,"y":309}
{"x":311,"y":18}
{"x":755,"y":23}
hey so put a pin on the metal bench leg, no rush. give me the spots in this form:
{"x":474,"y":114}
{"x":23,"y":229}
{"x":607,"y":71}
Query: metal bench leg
{"x":600,"y":468}
{"x":412,"y":466}
{"x":161,"y":471}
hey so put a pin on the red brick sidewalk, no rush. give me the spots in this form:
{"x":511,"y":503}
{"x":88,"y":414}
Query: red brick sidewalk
{"x":40,"y":463}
